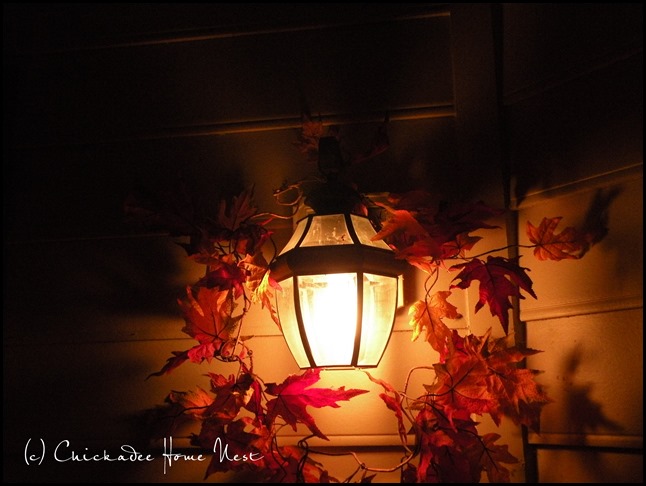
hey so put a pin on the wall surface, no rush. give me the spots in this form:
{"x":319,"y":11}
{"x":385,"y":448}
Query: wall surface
{"x":101,"y":99}
{"x":573,"y":103}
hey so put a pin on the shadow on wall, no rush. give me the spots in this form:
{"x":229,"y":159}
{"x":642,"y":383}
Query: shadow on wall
{"x":584,"y":415}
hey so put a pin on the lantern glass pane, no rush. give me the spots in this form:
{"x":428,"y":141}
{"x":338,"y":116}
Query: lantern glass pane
{"x":329,"y":309}
{"x":379,"y":306}
{"x":298,"y":232}
{"x":365,"y":231}
{"x":329,"y":229}
{"x":288,"y":322}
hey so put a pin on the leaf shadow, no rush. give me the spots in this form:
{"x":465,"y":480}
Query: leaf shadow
{"x":584,"y":414}
{"x":596,"y":220}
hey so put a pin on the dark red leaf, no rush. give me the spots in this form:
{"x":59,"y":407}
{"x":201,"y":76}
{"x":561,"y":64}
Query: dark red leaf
{"x":171,"y":363}
{"x":500,"y":279}
{"x":293,"y":397}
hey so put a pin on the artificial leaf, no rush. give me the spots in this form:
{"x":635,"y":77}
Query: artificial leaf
{"x":195,"y":402}
{"x":225,"y":277}
{"x":208,"y":317}
{"x":293,"y":397}
{"x":423,"y":253}
{"x":249,"y":238}
{"x":521,"y":397}
{"x":441,"y":442}
{"x":393,"y":401}
{"x":401,"y":221}
{"x":416,"y":201}
{"x":511,"y":390}
{"x":240,"y":210}
{"x":171,"y":363}
{"x":500,"y":279}
{"x":255,"y":267}
{"x":461,"y":218}
{"x":293,"y":465}
{"x":550,"y":246}
{"x":493,"y":457}
{"x":458,"y":246}
{"x":231,"y":395}
{"x":201,"y":352}
{"x":462,"y":385}
{"x":426,"y":235}
{"x":427,"y":316}
{"x":264,"y":295}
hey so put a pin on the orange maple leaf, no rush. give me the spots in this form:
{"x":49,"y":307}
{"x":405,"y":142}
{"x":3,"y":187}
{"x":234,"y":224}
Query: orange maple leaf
{"x":427,"y":316}
{"x":569,"y":243}
{"x":195,"y":402}
{"x":265,"y":296}
{"x":209,"y":317}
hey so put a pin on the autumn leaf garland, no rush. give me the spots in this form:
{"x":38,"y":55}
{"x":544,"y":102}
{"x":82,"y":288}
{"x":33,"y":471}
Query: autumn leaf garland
{"x":475,"y":375}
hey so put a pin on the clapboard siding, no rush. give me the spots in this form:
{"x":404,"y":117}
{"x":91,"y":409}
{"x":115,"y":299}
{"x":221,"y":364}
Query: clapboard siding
{"x":101,"y":97}
{"x":76,"y":191}
{"x":98,"y":95}
{"x":573,"y":103}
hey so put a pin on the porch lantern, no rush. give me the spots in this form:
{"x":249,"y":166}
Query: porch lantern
{"x":339,"y":288}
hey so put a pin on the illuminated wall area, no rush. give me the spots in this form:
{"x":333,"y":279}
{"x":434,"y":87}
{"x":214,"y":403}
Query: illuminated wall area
{"x":532,"y":108}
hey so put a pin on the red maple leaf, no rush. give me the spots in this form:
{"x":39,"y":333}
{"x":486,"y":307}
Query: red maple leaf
{"x":293,"y":397}
{"x":500,"y":278}
{"x":224,"y":277}
{"x":392,"y":399}
{"x":569,"y":243}
{"x":171,"y":363}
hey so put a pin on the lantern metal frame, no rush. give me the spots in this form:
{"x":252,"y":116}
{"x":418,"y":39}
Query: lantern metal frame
{"x":354,"y":257}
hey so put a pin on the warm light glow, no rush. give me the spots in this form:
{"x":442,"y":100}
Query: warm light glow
{"x":289,"y":323}
{"x":379,"y":305}
{"x":329,"y":309}
{"x":339,"y":292}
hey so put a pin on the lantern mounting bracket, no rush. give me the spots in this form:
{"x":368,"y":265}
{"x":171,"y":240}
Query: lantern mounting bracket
{"x":333,"y":196}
